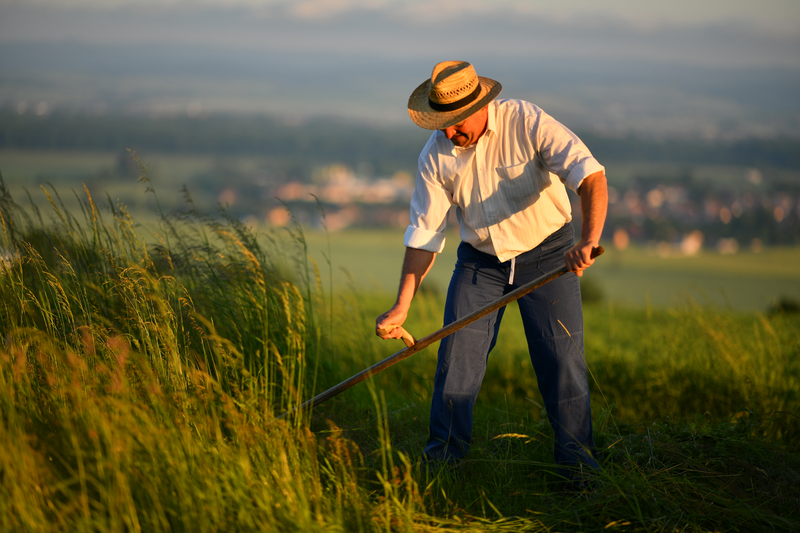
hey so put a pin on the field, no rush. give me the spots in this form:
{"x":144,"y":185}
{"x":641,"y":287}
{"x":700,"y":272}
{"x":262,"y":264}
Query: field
{"x":100,"y":172}
{"x":144,"y":368}
{"x":636,"y":277}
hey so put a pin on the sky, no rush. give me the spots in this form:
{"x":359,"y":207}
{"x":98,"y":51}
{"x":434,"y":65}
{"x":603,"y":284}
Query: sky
{"x":766,"y":15}
{"x":732,"y":32}
{"x":678,"y":64}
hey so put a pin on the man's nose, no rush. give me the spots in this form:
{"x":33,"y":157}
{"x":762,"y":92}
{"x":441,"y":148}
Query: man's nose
{"x":449,"y":132}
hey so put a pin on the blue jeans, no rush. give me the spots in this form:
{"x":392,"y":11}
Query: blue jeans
{"x":479,"y":279}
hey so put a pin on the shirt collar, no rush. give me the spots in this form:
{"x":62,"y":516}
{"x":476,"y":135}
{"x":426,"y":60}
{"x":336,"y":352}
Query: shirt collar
{"x":492,"y":121}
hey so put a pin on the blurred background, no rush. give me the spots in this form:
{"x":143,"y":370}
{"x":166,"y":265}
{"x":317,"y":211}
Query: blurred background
{"x":692,"y":106}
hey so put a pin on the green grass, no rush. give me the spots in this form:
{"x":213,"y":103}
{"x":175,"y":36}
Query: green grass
{"x":746,"y":281}
{"x":644,"y":366}
{"x":141,"y":377}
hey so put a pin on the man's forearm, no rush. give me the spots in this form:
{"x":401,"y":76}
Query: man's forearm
{"x":594,"y":206}
{"x":416,"y":265}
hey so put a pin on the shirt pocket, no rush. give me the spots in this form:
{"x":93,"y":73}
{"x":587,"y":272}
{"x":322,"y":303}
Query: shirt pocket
{"x":519,"y":186}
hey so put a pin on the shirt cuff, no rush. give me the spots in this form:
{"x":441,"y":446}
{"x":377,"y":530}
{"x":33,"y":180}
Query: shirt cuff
{"x":585,"y":168}
{"x":423,"y":239}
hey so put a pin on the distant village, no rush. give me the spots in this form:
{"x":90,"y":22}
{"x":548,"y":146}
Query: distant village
{"x":671,"y":217}
{"x":353,"y":201}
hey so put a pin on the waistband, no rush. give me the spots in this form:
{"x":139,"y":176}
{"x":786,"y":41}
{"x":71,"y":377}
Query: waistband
{"x":562,"y":235}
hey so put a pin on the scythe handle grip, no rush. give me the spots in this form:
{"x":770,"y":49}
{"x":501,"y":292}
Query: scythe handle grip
{"x":408,"y":339}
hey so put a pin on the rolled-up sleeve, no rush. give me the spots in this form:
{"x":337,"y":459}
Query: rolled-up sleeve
{"x":429,"y":207}
{"x":586,"y":167}
{"x":432,"y":241}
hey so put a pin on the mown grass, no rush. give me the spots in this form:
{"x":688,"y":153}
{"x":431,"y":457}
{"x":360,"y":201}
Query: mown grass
{"x":140,"y":387}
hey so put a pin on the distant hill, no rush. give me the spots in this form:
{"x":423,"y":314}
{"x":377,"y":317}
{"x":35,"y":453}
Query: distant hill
{"x":301,"y":146}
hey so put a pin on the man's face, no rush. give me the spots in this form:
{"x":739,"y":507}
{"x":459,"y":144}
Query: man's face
{"x":469,"y":131}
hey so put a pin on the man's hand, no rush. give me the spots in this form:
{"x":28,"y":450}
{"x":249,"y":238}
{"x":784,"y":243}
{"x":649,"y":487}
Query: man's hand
{"x":391,"y":320}
{"x":579,"y":258}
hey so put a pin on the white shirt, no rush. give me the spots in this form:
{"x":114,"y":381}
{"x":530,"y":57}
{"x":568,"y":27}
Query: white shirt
{"x":509,"y":187}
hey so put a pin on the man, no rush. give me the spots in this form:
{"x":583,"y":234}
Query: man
{"x":505,"y":165}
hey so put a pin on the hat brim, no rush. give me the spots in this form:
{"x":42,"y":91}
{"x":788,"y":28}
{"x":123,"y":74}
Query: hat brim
{"x":424,"y":116}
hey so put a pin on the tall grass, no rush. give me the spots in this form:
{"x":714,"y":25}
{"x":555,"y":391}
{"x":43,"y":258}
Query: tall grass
{"x":139,"y":382}
{"x":141,"y":373}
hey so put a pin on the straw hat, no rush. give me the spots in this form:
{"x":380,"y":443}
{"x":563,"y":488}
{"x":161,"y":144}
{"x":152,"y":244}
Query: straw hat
{"x":453,"y":93}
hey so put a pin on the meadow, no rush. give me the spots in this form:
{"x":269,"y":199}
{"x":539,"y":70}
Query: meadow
{"x":638,"y":277}
{"x":144,"y":369}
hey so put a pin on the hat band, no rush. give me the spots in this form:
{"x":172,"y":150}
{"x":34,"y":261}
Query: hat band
{"x":458,"y":104}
